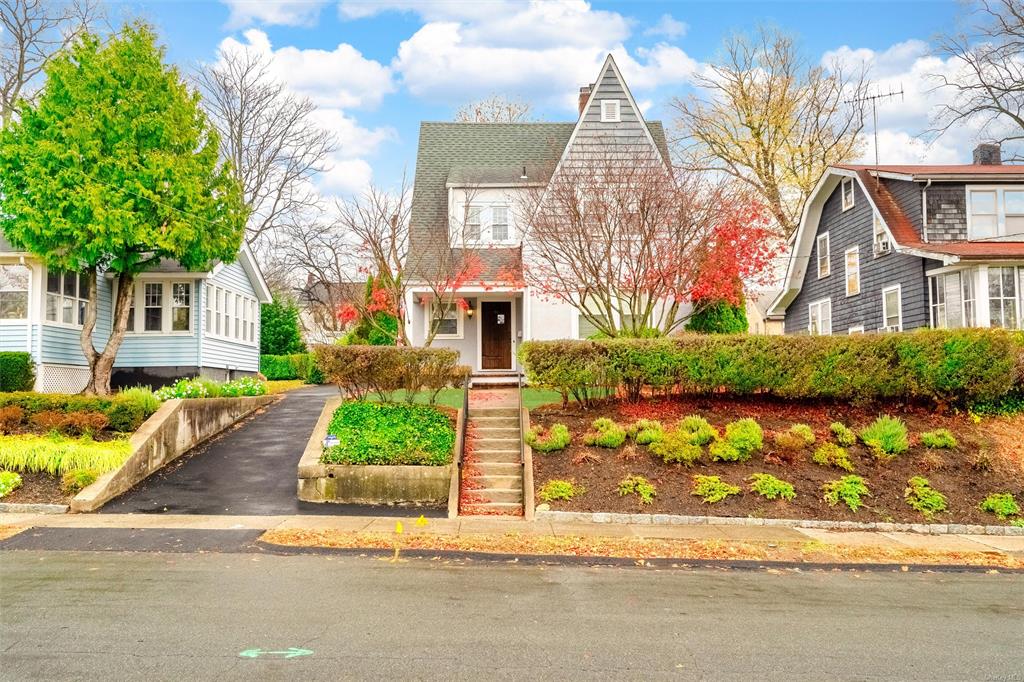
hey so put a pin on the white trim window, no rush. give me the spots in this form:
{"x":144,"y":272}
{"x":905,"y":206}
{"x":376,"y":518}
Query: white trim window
{"x":823,"y":253}
{"x":892,"y":308}
{"x":853,"y":271}
{"x":166,"y":307}
{"x":66,"y":296}
{"x":937,"y":301}
{"x":611,"y":111}
{"x":995,"y":212}
{"x":474,"y":226}
{"x":181,"y":306}
{"x":14,"y":280}
{"x":499,"y":224}
{"x":231,"y":316}
{"x":856,"y":329}
{"x":153,"y":307}
{"x":848,"y":193}
{"x":969,"y":298}
{"x":448,"y":324}
{"x":1002,"y":297}
{"x":819,"y":317}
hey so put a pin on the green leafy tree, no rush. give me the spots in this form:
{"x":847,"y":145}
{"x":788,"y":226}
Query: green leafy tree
{"x":718,"y":317}
{"x":113,"y":168}
{"x":279,"y":329}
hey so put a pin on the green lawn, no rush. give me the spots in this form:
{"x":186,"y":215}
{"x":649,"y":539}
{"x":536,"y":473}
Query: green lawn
{"x":452,"y":397}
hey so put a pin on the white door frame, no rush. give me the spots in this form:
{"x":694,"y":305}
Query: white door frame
{"x":502,"y":298}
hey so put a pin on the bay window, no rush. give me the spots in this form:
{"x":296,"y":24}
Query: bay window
{"x":14,"y":281}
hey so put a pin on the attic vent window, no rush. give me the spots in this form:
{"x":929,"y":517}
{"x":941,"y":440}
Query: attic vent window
{"x":610,"y":111}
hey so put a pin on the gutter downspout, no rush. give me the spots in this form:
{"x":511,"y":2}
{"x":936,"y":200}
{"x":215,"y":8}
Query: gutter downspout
{"x":924,"y":209}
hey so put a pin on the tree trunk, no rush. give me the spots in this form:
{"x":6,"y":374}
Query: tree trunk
{"x":101,"y":363}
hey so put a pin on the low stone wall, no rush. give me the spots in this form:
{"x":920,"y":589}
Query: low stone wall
{"x":365,"y":483}
{"x":174,"y":429}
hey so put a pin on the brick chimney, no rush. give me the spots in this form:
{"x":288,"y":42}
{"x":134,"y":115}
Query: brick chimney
{"x":987,"y":154}
{"x":584,"y":96}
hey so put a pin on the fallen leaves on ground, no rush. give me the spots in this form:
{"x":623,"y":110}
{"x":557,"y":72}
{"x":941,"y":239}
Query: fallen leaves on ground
{"x":636,"y":548}
{"x":10,"y":531}
{"x":1007,"y":434}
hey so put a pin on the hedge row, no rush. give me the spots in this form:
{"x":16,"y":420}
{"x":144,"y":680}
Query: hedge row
{"x":360,"y":370}
{"x":944,"y":366}
{"x":296,"y":366}
{"x":17,"y":372}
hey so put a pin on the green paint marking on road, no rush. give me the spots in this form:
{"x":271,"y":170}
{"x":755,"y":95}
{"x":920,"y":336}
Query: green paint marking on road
{"x":291,"y":652}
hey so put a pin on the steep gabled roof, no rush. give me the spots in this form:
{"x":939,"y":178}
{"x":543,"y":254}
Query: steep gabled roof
{"x":937,"y":172}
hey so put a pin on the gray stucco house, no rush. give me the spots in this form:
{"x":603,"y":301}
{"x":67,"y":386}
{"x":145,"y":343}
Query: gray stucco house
{"x":895,"y":247}
{"x":182,"y":323}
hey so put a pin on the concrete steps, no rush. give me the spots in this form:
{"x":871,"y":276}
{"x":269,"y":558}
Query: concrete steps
{"x":496,"y":476}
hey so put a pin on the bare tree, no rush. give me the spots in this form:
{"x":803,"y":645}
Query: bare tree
{"x":987,"y":88}
{"x":772,"y":120}
{"x":268,"y":135}
{"x":494,"y":109}
{"x":622,"y":239}
{"x":33,"y":31}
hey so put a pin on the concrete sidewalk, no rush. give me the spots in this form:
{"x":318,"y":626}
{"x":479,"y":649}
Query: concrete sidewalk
{"x":1008,"y":545}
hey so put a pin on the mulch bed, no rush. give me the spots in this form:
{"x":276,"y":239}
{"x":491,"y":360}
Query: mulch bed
{"x":965,"y":475}
{"x":38,"y":488}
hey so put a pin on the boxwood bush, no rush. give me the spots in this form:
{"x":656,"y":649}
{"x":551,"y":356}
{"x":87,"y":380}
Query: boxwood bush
{"x":389,"y":433}
{"x":125,"y":411}
{"x":962,"y":366}
{"x":17,"y":372}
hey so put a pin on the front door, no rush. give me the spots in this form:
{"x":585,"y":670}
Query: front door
{"x":496,"y":335}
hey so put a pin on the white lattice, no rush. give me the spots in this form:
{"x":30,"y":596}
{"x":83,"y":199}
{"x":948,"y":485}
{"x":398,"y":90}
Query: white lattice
{"x":61,"y":378}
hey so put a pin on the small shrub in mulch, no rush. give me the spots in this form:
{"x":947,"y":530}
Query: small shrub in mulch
{"x":606,"y":434}
{"x":843,"y":434}
{"x":797,"y":437}
{"x":676,"y":447}
{"x":886,"y":436}
{"x":646,"y":431}
{"x":639,"y":486}
{"x":831,"y":455}
{"x":549,"y":440}
{"x":712,"y":489}
{"x":770,"y":487}
{"x":9,"y":482}
{"x":700,"y":431}
{"x":1003,"y":505}
{"x":849,"y":490}
{"x":939,"y":439}
{"x":559,"y":490}
{"x":922,"y":497}
{"x":77,"y":479}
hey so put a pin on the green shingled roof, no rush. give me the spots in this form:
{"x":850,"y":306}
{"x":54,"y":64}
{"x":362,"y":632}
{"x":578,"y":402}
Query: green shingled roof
{"x":464,"y":150}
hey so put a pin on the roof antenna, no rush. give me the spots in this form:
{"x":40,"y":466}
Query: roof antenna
{"x":874,"y":99}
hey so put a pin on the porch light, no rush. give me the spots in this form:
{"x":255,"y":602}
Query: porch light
{"x":469,"y":311}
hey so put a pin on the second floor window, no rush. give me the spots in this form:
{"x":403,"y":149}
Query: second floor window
{"x":486,"y":224}
{"x":823,"y":256}
{"x":995,"y":212}
{"x":848,"y":195}
{"x":853,"y":271}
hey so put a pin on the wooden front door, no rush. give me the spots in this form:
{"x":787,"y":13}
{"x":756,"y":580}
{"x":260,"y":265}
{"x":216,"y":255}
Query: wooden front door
{"x":496,"y":335}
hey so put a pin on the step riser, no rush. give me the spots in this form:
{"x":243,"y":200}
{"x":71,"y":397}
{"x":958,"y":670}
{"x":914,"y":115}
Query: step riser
{"x":496,"y":432}
{"x":499,"y":468}
{"x":496,"y":444}
{"x":498,"y":457}
{"x":514,"y":482}
{"x":493,"y":412}
{"x":500,"y":495}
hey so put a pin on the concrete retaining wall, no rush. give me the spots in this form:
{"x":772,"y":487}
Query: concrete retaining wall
{"x":174,"y":429}
{"x":366,"y":483}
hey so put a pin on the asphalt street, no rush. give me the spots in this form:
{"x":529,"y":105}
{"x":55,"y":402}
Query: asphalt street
{"x":184,"y":616}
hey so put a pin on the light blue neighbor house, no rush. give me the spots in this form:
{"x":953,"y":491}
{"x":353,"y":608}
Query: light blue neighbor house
{"x":182,"y":323}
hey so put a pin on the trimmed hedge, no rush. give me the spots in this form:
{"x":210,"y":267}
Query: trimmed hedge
{"x":126,"y":413}
{"x":360,"y":370}
{"x":943,"y":366}
{"x":17,"y":372}
{"x":285,"y":367}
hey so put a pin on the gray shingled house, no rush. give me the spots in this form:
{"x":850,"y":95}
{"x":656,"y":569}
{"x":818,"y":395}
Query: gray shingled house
{"x":469,"y":177}
{"x":895,"y":247}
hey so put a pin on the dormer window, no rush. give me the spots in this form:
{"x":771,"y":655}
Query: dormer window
{"x":995,"y":212}
{"x":848,"y":195}
{"x":483,"y":224}
{"x":472,"y":231}
{"x":611,"y":111}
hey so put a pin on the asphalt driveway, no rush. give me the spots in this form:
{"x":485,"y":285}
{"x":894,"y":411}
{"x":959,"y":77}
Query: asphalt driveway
{"x":248,"y":470}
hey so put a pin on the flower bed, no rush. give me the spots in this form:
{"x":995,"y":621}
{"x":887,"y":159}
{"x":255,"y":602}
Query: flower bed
{"x":902,"y":476}
{"x":390,"y":433}
{"x":200,"y":387}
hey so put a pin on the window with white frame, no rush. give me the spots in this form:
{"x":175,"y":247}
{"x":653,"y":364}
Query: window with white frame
{"x":995,"y":212}
{"x":937,"y":296}
{"x":254,"y":311}
{"x":499,"y":223}
{"x":969,"y":298}
{"x":473,"y":227}
{"x":484,"y":224}
{"x":853,"y":271}
{"x":611,"y":111}
{"x":181,"y":307}
{"x":231,"y":315}
{"x":846,"y":187}
{"x":819,"y":317}
{"x":892,"y":309}
{"x":1002,"y":297}
{"x":880,"y":244}
{"x":153,"y":307}
{"x":824,"y":264}
{"x":447,"y":321}
{"x":66,"y":296}
{"x":14,"y":292}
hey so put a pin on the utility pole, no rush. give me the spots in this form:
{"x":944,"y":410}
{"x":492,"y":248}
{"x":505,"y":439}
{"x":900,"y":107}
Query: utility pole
{"x":873,"y":100}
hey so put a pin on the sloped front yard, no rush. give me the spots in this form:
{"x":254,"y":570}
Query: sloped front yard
{"x":964,"y":474}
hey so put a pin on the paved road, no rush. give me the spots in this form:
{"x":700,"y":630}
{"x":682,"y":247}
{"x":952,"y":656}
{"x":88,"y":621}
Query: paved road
{"x":248,"y":470}
{"x":112,"y":616}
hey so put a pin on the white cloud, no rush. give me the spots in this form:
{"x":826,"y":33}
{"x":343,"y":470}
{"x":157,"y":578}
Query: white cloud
{"x":341,"y":77}
{"x":345,"y":177}
{"x":273,"y":12}
{"x":903,"y":120}
{"x":669,"y":27}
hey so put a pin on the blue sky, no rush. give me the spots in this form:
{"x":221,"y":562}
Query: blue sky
{"x":376,"y":69}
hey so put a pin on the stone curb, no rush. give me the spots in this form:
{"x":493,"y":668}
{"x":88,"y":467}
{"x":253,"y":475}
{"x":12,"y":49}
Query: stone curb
{"x":676,"y":520}
{"x":27,"y":508}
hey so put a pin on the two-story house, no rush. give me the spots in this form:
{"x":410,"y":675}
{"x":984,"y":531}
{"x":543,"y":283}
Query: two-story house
{"x":895,"y":247}
{"x":470,"y":179}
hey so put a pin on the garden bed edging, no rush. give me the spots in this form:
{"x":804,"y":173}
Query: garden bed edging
{"x":366,"y":483}
{"x":174,"y":429}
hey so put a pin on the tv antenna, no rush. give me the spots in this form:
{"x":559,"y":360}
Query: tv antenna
{"x":874,"y":100}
